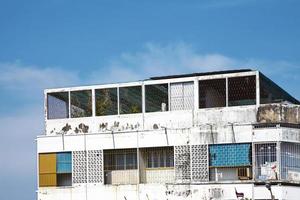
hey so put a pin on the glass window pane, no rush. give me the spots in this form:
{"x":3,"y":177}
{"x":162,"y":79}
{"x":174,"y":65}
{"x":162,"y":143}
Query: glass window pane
{"x":170,"y":158}
{"x":120,"y":161}
{"x":156,"y":97}
{"x":131,"y":161}
{"x":230,"y":155}
{"x":64,"y":162}
{"x":130,"y":100}
{"x":58,"y":105}
{"x":212,"y":93}
{"x":242,"y":91}
{"x":106,"y":101}
{"x":81,"y":103}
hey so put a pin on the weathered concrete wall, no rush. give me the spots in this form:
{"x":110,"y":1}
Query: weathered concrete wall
{"x":170,"y":192}
{"x":217,"y":117}
{"x":278,"y":113}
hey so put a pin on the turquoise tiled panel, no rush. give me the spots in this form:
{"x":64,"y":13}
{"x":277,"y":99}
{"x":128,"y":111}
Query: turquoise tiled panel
{"x":64,"y":162}
{"x":230,"y":155}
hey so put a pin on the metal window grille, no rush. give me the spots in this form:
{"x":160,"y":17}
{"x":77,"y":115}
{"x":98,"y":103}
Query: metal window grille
{"x":120,"y":166}
{"x":290,"y":161}
{"x":242,"y":91}
{"x":266,"y":167}
{"x":121,"y":159}
{"x":212,"y":93}
{"x":160,"y":157}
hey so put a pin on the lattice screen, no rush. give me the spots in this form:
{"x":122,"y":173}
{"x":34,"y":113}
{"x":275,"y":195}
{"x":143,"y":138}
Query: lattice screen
{"x":182,"y":163}
{"x":182,"y":96}
{"x":188,"y":95}
{"x":199,"y":156}
{"x":79,"y":167}
{"x":95,"y":166}
{"x":88,"y":169}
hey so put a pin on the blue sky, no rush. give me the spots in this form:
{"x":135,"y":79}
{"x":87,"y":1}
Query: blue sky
{"x":59,"y":43}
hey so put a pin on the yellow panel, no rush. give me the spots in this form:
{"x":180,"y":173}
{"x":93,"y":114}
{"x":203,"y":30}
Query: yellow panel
{"x":47,"y":180}
{"x":47,"y":163}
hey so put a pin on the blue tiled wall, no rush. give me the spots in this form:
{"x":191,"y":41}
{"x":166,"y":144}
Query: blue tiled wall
{"x":230,"y":155}
{"x":64,"y":162}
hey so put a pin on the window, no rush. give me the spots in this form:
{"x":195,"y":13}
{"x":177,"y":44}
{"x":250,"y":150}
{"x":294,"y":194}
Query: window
{"x":156,"y":97}
{"x":120,"y":159}
{"x":244,"y":173}
{"x":290,"y":161}
{"x":212,"y":93}
{"x":160,"y":157}
{"x":55,"y":169}
{"x":266,"y":167}
{"x":58,"y":105}
{"x":130,"y":100}
{"x":182,"y":96}
{"x":230,"y":155}
{"x":242,"y":91}
{"x":81,"y":103}
{"x":106,"y":101}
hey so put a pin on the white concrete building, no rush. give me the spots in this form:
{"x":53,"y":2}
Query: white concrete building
{"x":217,"y":135}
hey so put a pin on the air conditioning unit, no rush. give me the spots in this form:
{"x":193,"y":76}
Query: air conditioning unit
{"x":293,"y":176}
{"x":244,"y":173}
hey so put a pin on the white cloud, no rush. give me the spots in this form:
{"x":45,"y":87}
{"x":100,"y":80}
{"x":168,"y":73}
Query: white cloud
{"x":156,"y":60}
{"x":177,"y":58}
{"x":18,"y":76}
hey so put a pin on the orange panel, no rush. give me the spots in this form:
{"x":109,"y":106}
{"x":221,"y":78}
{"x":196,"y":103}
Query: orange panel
{"x":47,"y":163}
{"x":47,"y":180}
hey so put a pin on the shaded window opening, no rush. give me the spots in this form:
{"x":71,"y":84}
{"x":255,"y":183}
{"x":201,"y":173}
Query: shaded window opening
{"x":212,"y":93}
{"x":130,"y":100}
{"x":120,"y":159}
{"x":156,"y":97}
{"x":58,"y":105}
{"x":81,"y":103}
{"x":159,"y":157}
{"x":242,"y":91}
{"x":120,"y":166}
{"x":106,"y":101}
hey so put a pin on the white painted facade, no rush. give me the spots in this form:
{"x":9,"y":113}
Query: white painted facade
{"x":205,"y":126}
